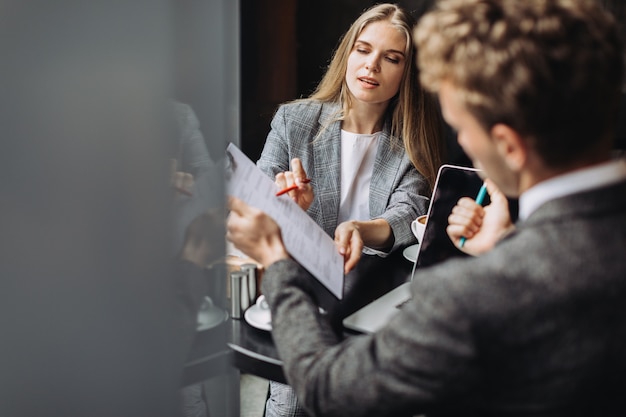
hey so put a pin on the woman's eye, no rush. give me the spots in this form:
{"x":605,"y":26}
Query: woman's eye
{"x":392,"y":60}
{"x":361,"y":50}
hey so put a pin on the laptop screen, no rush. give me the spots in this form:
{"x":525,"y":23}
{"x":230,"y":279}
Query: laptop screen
{"x":453,"y":182}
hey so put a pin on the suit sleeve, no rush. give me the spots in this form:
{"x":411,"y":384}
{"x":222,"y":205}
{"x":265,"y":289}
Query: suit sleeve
{"x":422,"y":356}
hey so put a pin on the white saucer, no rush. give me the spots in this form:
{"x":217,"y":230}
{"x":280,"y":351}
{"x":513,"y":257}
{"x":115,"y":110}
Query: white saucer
{"x":410,"y":253}
{"x":256,"y":317}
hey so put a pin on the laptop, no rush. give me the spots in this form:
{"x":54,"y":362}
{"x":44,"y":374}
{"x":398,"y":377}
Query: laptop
{"x":452,"y":183}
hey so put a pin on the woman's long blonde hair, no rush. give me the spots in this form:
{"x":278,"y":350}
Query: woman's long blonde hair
{"x":414,"y":113}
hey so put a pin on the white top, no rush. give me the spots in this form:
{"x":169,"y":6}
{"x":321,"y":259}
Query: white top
{"x":571,"y":183}
{"x":358,"y":153}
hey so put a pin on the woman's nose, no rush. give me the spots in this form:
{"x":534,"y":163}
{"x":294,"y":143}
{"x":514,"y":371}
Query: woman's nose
{"x":372,"y":64}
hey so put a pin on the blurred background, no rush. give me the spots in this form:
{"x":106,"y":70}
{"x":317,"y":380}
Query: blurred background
{"x":96,"y":318}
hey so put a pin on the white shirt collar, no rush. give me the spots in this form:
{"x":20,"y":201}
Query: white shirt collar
{"x":575,"y":182}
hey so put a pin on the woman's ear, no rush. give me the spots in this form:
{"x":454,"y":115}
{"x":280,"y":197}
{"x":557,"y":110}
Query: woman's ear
{"x":510,"y":146}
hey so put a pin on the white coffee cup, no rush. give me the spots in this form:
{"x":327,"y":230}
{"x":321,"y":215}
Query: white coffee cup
{"x":263,"y":313}
{"x":418,"y":226}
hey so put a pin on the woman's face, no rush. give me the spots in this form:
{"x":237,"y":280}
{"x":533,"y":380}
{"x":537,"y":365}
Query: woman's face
{"x":376,"y":64}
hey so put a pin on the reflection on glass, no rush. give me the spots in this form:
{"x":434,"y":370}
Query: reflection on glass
{"x":100,"y":299}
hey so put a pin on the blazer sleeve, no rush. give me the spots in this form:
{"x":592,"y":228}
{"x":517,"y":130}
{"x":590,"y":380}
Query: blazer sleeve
{"x":408,"y":200}
{"x":422,"y":356}
{"x":398,"y":192}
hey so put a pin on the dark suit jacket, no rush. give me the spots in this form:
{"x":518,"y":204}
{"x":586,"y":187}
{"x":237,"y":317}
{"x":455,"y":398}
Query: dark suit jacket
{"x":535,"y":327}
{"x":398,"y":193}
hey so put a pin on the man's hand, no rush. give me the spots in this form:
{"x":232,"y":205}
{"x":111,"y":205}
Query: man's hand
{"x":349,"y":244}
{"x":481,"y":226}
{"x":303,"y":195}
{"x":254,"y":233}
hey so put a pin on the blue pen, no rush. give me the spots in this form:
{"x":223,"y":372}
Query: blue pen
{"x":479,"y":200}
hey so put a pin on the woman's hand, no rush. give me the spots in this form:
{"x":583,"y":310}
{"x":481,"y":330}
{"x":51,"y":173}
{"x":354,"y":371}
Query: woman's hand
{"x":349,"y":244}
{"x":303,"y":195}
{"x":481,"y":226}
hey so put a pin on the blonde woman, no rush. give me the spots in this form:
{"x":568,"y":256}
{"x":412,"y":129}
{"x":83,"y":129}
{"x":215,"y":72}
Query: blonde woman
{"x":369,"y":138}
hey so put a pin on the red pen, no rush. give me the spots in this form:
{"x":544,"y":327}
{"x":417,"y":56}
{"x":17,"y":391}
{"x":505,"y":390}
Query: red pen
{"x":292,"y":187}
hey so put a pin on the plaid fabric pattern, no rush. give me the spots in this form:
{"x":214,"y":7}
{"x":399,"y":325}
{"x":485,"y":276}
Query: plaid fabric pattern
{"x":305,"y":129}
{"x":282,"y":402}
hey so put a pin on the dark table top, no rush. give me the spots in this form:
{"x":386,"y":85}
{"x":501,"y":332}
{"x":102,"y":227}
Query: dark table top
{"x":253,"y":349}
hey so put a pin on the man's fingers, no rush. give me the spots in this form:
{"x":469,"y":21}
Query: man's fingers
{"x":232,"y":203}
{"x":467,"y":203}
{"x":466,"y":218}
{"x":491,"y":187}
{"x":456,"y":231}
{"x":236,"y":205}
{"x":495,"y":195}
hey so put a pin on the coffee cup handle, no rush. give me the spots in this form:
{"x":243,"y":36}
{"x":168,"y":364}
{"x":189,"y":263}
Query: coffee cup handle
{"x":261,"y":302}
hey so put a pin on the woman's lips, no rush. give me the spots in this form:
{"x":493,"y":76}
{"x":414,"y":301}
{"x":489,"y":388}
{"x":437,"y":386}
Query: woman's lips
{"x":368,"y":82}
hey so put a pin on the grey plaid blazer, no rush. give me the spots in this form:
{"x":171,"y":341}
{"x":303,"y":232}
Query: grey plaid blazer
{"x":304,"y":129}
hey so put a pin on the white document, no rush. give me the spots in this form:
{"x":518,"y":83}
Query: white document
{"x":305,"y":241}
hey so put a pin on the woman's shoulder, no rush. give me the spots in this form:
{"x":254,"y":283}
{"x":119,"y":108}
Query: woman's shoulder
{"x":306,"y":104}
{"x":307,"y":109}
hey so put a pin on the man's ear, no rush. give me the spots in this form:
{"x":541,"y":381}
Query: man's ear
{"x":510,"y":145}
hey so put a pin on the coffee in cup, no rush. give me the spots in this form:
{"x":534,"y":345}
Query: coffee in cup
{"x":418,"y":226}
